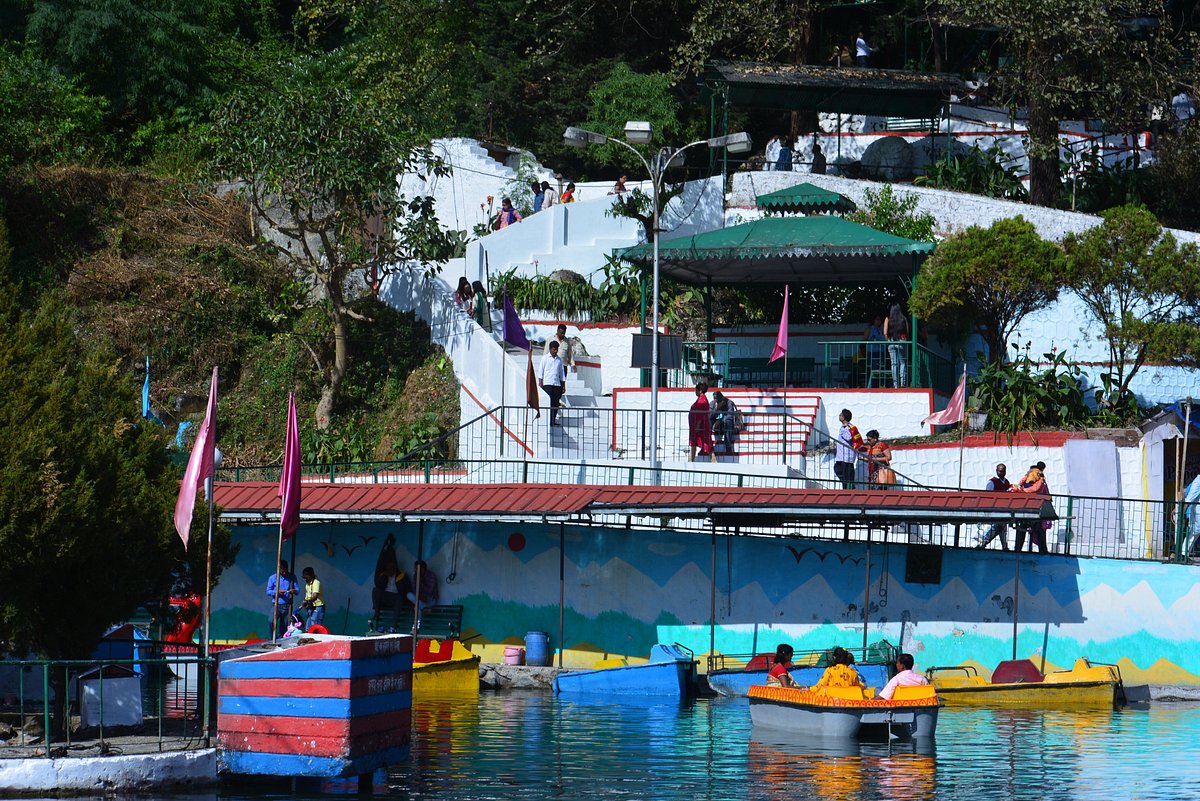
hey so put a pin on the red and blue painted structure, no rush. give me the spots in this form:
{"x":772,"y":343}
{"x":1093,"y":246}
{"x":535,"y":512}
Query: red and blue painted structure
{"x":340,"y":706}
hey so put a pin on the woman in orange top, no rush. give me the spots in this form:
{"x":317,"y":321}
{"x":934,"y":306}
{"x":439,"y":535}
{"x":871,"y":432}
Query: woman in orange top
{"x":879,"y":460}
{"x":841,"y":673}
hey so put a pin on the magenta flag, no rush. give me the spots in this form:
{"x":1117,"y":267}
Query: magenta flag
{"x":953,"y":413}
{"x":199,"y":466}
{"x":781,"y":340}
{"x":289,"y":481}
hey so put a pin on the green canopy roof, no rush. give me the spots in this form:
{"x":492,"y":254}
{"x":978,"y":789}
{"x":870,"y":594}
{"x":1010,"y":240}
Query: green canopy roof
{"x":773,"y":250}
{"x":804,"y":197}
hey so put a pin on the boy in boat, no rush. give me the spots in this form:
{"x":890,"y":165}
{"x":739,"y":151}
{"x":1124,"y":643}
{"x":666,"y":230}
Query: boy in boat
{"x":778,"y":675}
{"x":905,"y":677}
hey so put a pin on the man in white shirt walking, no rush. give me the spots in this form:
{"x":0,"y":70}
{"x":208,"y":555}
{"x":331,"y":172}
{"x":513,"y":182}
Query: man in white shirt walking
{"x":552,"y":377}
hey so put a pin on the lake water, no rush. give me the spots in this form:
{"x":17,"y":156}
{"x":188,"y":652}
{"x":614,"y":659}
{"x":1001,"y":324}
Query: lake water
{"x":531,"y":746}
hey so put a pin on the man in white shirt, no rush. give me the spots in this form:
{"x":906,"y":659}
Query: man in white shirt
{"x":1183,"y":108}
{"x":552,"y":377}
{"x":905,"y":677}
{"x":862,"y":51}
{"x":565,"y":351}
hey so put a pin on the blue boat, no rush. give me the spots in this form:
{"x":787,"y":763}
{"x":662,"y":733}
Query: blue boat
{"x":876,"y":664}
{"x":670,"y":673}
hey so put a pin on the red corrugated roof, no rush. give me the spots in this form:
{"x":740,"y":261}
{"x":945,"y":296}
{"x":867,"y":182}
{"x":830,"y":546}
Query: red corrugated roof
{"x":240,"y":499}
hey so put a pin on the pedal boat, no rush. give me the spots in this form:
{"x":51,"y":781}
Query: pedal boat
{"x":875,"y":664}
{"x":1018,"y":683}
{"x":845,"y":711}
{"x":444,"y":666}
{"x":670,"y":673}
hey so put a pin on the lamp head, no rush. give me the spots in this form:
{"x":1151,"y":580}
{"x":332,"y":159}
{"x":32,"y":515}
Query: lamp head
{"x":578,"y":137}
{"x":735,"y":143}
{"x":638,"y":132}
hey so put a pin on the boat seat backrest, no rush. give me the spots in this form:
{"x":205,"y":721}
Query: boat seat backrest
{"x":914,"y":693}
{"x":1016,"y":671}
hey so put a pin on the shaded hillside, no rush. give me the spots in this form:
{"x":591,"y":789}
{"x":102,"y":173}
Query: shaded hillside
{"x":156,"y":269}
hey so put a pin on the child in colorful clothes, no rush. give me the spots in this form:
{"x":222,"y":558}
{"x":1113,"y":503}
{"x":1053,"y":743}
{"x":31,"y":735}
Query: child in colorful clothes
{"x":778,"y":675}
{"x":841,"y":673}
{"x":295,"y":627}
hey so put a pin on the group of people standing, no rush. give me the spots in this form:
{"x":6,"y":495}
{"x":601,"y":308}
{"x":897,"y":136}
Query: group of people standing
{"x":721,"y":419}
{"x":544,"y":196}
{"x":1034,"y":483}
{"x":288,"y":619}
{"x":851,"y":448}
{"x":779,"y":156}
{"x":472,"y":297}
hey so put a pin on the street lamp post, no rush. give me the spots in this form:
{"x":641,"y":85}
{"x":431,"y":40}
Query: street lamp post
{"x":640,"y":133}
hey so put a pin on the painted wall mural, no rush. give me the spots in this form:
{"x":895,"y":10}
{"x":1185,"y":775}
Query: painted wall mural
{"x":625,"y":590}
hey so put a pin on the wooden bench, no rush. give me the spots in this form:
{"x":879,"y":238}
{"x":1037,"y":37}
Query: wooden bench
{"x":437,"y":622}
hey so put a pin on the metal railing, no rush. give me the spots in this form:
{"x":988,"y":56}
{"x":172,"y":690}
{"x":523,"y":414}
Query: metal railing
{"x":702,"y":361}
{"x":869,"y":365}
{"x":154,"y":704}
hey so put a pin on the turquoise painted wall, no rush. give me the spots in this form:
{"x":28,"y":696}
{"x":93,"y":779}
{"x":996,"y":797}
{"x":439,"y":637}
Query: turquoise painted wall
{"x":626,"y":590}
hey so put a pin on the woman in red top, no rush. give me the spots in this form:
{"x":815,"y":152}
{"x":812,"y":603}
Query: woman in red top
{"x":700,"y":425}
{"x":778,"y":675}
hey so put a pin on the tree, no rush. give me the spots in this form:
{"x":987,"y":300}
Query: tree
{"x":1142,"y":288}
{"x":626,"y":95}
{"x":990,"y":278}
{"x":897,"y":214}
{"x":44,"y":116}
{"x":144,"y":56}
{"x":86,"y":492}
{"x":1073,"y":58}
{"x":319,"y":159}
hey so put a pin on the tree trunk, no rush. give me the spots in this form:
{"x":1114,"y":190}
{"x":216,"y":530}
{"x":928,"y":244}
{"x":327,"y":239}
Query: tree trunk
{"x":1045,"y":178}
{"x":341,"y":356}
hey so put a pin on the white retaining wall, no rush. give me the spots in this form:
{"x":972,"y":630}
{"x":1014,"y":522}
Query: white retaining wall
{"x":183,"y":770}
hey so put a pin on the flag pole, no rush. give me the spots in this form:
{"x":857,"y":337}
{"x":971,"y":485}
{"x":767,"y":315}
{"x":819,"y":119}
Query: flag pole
{"x":962,"y":424}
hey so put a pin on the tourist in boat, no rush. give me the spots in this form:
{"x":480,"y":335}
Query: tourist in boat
{"x":905,"y":677}
{"x":778,"y":676}
{"x":700,"y":426}
{"x":314,"y":598}
{"x":841,"y":673}
{"x":508,"y":215}
{"x":879,"y":460}
{"x":295,"y":626}
{"x":997,"y":483}
{"x":1034,"y":483}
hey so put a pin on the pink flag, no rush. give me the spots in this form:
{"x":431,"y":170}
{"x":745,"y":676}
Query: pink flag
{"x":289,"y":481}
{"x":781,"y":340}
{"x":953,"y":413}
{"x":199,"y":466}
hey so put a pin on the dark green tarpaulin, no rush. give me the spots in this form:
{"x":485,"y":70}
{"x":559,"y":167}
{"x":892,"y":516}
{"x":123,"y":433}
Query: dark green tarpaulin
{"x":804,"y":198}
{"x":814,"y":250}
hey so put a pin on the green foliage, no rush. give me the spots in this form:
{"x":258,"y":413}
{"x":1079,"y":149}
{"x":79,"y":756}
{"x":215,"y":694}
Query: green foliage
{"x":321,"y":159}
{"x":45,"y":117}
{"x":1141,"y":288}
{"x":989,"y":278}
{"x":145,"y":56}
{"x":627,"y":95}
{"x":980,"y":172}
{"x":1015,"y":397}
{"x":897,"y":214}
{"x":83,"y":482}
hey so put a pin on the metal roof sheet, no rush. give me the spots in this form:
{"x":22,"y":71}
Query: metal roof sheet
{"x":544,"y":501}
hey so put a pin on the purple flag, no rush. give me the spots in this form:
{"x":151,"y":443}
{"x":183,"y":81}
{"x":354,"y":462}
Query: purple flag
{"x":781,"y":339}
{"x":199,"y":466}
{"x":289,"y":481}
{"x":514,"y":333}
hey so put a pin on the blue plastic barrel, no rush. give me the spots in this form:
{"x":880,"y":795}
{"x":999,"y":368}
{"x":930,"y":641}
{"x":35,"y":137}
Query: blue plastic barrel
{"x":537,"y":649}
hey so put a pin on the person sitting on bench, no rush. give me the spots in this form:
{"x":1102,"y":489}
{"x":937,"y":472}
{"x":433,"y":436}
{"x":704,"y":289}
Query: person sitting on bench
{"x":427,"y":583}
{"x":392,"y":585}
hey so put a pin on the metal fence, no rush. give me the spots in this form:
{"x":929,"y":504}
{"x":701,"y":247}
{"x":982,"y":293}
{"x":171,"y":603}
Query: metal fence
{"x":870,"y":365}
{"x":153,"y":704}
{"x":1116,"y":528}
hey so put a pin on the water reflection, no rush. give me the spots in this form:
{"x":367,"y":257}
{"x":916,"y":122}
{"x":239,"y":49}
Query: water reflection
{"x":841,"y":769}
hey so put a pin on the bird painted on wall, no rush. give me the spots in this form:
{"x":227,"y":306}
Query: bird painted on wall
{"x":843,"y":559}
